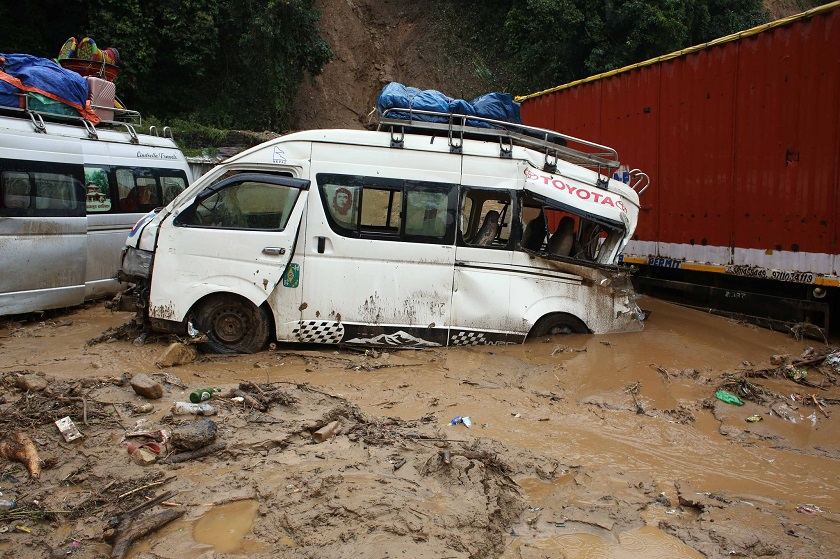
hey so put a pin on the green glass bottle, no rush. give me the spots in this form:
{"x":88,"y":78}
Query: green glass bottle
{"x":203,"y":394}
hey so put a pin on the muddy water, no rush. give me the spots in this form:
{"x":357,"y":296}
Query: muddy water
{"x":611,"y":410}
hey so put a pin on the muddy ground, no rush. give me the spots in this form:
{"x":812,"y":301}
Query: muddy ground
{"x":583,"y":446}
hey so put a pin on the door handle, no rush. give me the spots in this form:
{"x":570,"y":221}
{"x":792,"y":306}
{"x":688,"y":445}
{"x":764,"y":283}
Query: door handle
{"x":274,"y":250}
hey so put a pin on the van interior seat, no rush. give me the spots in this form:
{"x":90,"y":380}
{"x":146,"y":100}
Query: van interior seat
{"x":488,"y":230}
{"x":563,"y":239}
{"x":535,"y":232}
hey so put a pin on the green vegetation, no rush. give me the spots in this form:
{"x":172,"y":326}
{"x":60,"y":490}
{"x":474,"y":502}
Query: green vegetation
{"x":223,"y":63}
{"x":543,"y":43}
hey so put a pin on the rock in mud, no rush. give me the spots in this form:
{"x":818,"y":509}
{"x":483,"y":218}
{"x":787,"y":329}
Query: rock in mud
{"x":177,"y":354}
{"x":146,"y":387}
{"x":31,"y":382}
{"x":194,"y":436}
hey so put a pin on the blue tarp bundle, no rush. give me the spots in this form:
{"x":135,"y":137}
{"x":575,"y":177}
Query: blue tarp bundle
{"x":497,"y":106}
{"x":26,"y":73}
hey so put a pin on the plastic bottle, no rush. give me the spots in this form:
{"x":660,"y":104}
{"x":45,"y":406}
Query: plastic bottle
{"x":203,"y":394}
{"x":184,"y":408}
{"x":5,"y":504}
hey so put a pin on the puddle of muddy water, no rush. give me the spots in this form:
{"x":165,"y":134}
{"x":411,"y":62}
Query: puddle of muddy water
{"x":221,"y":529}
{"x":225,"y":527}
{"x":645,"y":543}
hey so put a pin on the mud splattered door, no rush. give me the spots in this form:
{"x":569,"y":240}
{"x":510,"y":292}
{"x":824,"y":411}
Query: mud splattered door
{"x":237,"y":237}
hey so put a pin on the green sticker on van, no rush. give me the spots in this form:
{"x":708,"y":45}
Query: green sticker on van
{"x":292,"y":277}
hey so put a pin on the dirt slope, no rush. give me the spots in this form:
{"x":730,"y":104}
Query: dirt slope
{"x":375,"y":43}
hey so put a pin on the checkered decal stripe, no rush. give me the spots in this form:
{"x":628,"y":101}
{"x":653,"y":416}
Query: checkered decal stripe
{"x":467,"y":338}
{"x":312,"y":331}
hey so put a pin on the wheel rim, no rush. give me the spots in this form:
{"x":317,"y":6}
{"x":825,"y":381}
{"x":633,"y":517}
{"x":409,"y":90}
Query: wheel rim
{"x":230,"y":324}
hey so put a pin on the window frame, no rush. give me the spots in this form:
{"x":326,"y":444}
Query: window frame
{"x":301,"y":185}
{"x":510,"y":214}
{"x":72,"y":171}
{"x":405,"y":187}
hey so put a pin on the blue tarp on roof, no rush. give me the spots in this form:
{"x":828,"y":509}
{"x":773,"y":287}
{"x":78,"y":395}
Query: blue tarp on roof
{"x":497,"y":106}
{"x":44,"y":75}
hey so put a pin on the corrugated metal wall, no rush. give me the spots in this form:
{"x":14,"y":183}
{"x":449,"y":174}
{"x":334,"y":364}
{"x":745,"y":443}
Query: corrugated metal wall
{"x":741,"y":139}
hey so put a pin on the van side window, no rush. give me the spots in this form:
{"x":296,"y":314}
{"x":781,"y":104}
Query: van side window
{"x":54,"y":191}
{"x":138,"y":190}
{"x":172,"y":187}
{"x":485,"y":218}
{"x":426,"y":214}
{"x":556,"y":231}
{"x":98,"y":190}
{"x":41,"y":189}
{"x":389,"y":209}
{"x":380,"y":211}
{"x":245,"y":205}
{"x":16,"y":191}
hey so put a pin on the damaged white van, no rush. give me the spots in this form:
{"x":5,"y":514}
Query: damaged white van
{"x":418,"y":234}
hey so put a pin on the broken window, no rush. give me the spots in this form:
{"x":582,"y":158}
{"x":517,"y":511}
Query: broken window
{"x":554,"y":230}
{"x":485,"y":218}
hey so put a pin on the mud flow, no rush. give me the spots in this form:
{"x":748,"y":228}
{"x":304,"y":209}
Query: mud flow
{"x":697,"y":437}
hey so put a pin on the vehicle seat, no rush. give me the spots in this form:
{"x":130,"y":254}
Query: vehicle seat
{"x":534,"y":234}
{"x":563,"y":239}
{"x":488,"y":230}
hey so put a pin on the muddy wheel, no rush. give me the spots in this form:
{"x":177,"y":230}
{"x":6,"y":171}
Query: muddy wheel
{"x":233,"y":324}
{"x":558,"y":323}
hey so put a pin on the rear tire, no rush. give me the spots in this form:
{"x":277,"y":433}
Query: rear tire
{"x":233,"y":324}
{"x":558,"y":323}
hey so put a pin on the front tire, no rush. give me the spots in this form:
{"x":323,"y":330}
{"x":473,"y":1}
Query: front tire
{"x":558,"y":323}
{"x":233,"y":324}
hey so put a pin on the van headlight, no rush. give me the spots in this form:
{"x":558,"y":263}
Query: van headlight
{"x":137,"y":263}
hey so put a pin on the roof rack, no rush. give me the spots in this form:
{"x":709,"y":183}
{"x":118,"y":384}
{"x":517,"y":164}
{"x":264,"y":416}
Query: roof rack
{"x":124,"y":119}
{"x":458,"y":126}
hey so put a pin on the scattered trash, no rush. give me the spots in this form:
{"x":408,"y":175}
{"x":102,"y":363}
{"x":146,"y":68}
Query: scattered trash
{"x":5,"y":504}
{"x":516,"y":415}
{"x":535,"y":509}
{"x":68,"y":429}
{"x":399,"y":464}
{"x":184,"y":408}
{"x":754,"y":418}
{"x":143,"y":408}
{"x":203,"y":394}
{"x":462,"y":419}
{"x":329,"y":430}
{"x":725,"y":396}
{"x":833,"y":361}
{"x":795,"y":374}
{"x":808,"y":509}
{"x":141,"y":339}
{"x":786,"y":412}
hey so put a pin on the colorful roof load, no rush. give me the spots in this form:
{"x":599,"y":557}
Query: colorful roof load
{"x":742,"y":137}
{"x":24,"y":78}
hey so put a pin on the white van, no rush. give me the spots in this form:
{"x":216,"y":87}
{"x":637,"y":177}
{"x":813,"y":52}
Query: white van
{"x":447,"y":235}
{"x":69,"y":194}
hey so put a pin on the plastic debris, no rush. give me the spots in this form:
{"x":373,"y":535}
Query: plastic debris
{"x":725,"y":396}
{"x":68,"y":429}
{"x":754,"y":418}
